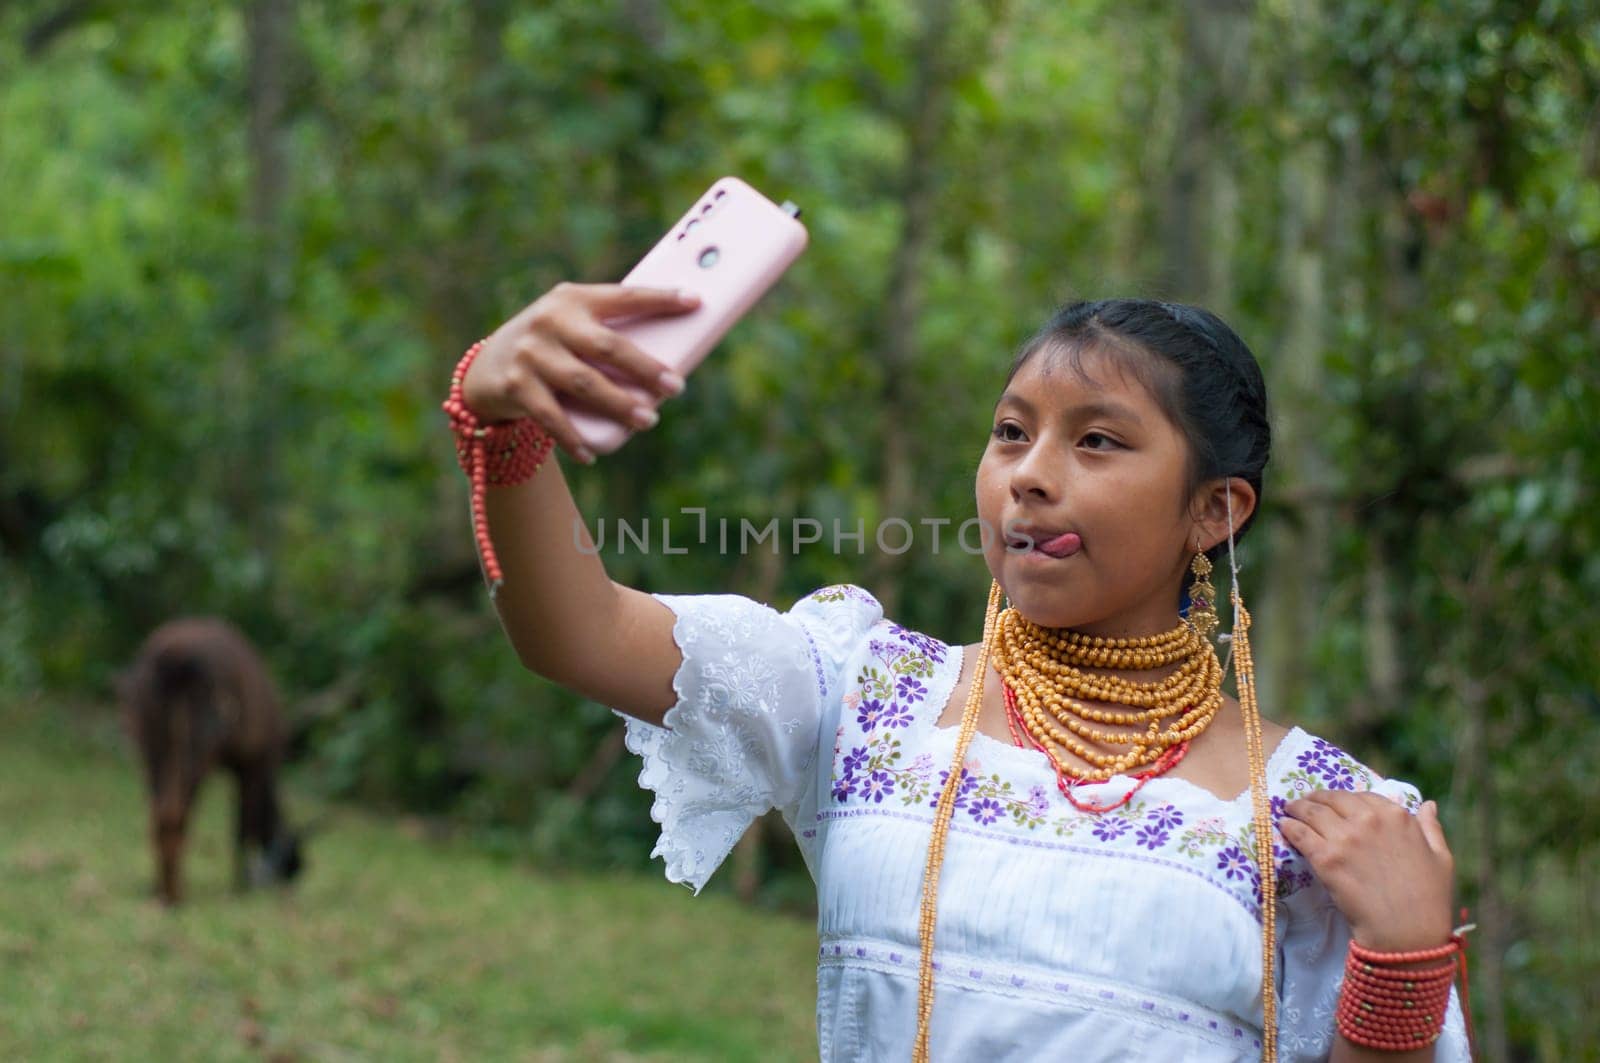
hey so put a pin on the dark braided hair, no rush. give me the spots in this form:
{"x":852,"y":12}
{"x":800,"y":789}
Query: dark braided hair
{"x":1201,"y":373}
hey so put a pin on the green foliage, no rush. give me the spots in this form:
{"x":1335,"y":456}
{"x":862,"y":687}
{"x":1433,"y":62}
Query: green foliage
{"x":202,"y":409}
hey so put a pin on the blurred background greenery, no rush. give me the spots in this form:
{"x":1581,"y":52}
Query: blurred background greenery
{"x":241,"y":246}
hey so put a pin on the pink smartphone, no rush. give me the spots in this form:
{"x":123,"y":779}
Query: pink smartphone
{"x":729,"y":249}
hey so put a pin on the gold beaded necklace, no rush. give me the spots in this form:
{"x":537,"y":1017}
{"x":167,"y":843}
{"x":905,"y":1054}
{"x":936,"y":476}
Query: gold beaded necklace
{"x":1114,"y":655}
{"x":1044,"y":668}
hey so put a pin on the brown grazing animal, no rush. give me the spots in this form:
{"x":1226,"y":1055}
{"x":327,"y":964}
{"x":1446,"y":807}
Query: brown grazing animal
{"x":199,"y":696}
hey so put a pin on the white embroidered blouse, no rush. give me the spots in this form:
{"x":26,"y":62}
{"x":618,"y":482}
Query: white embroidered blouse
{"x":1130,"y":935}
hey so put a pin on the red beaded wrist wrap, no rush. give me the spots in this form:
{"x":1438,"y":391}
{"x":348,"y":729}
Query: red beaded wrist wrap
{"x":502,"y":455}
{"x":1394,"y":1008}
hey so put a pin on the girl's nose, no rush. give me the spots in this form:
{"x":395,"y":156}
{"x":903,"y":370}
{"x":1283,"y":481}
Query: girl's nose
{"x":1037,"y":475}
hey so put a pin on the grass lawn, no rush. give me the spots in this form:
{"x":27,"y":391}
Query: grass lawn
{"x":392,"y":947}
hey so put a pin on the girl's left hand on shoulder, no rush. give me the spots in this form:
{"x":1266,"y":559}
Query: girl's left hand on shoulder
{"x":1389,"y":872}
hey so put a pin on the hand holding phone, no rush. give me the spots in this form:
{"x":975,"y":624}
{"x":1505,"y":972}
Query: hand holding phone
{"x":729,"y":249}
{"x":590,"y":362}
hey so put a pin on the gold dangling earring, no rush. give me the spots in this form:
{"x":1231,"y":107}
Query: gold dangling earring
{"x":1202,"y":616}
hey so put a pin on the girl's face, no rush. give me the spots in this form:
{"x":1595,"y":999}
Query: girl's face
{"x":1096,"y":457}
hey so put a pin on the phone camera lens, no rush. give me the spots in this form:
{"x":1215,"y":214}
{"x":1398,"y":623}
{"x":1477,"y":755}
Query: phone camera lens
{"x":708,"y":257}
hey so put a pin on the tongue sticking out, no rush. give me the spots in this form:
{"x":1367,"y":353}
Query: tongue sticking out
{"x":1062,"y":545}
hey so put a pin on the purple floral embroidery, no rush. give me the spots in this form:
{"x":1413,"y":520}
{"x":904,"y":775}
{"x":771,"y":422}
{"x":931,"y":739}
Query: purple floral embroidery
{"x":1313,"y":759}
{"x":876,"y":786}
{"x":1330,"y":763}
{"x":854,"y":759}
{"x":871,"y":709}
{"x":1165,"y":817}
{"x":923,"y":644}
{"x":845,"y":784}
{"x":1233,"y":863}
{"x":1038,"y":802}
{"x":1324,"y":767}
{"x":909,"y":690}
{"x":1109,"y":828}
{"x":1277,"y":806}
{"x":986,"y":810}
{"x":1339,"y":777}
{"x":1151,"y":837}
{"x":882,"y":649}
{"x":896,"y":715}
{"x":969,"y":783}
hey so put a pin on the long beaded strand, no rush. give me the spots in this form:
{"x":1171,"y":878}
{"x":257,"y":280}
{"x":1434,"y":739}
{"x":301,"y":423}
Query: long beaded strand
{"x":1244,"y":672}
{"x":941,"y":831}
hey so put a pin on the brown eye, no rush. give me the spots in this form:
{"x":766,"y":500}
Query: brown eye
{"x":999,"y":431}
{"x":1110,"y":443}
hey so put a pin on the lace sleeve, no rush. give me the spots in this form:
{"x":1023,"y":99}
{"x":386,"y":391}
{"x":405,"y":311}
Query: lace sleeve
{"x":1312,"y":961}
{"x":743,"y":735}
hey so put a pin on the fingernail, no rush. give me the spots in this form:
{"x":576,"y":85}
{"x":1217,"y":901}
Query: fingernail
{"x":687,"y":298}
{"x":586,"y":455}
{"x":672,"y":382}
{"x":645,"y":417}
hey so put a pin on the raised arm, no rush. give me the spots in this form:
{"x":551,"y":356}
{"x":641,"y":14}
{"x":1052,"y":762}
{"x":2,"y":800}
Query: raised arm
{"x":566,"y":618}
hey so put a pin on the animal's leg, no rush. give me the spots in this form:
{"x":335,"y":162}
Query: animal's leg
{"x":257,"y":814}
{"x":167,"y":829}
{"x":240,"y":836}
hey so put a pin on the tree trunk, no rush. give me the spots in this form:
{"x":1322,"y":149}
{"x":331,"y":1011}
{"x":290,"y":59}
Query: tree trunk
{"x":1202,"y":201}
{"x":924,"y":125}
{"x":1380,"y":638}
{"x":599,"y":765}
{"x":249,"y":478}
{"x":1294,"y":587}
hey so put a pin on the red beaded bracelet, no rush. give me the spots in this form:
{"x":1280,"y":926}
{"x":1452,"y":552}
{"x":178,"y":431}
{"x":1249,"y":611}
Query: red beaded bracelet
{"x":1449,"y":948}
{"x":502,"y":455}
{"x":1392,"y":1007}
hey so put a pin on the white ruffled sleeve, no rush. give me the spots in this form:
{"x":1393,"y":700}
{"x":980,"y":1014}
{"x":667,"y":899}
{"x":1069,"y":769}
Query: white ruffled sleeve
{"x":1311,"y":957}
{"x":753,"y":688}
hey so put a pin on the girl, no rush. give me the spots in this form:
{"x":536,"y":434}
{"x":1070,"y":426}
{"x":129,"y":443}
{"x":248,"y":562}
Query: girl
{"x":1062,"y":841}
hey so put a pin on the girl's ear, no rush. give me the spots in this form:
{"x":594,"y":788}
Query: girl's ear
{"x":1210,"y":509}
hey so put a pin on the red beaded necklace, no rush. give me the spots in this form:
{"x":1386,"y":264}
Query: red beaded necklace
{"x":1168,"y":760}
